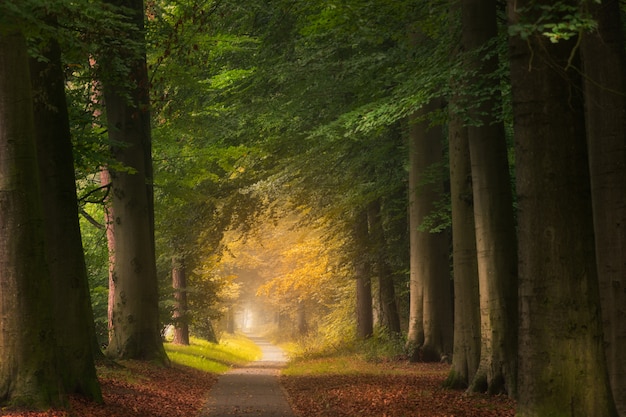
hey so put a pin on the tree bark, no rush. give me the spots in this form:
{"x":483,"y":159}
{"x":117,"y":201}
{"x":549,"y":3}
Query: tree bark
{"x":105,"y":181}
{"x":134,"y":313}
{"x":417,"y":239}
{"x":562,"y":366}
{"x":604,"y":66}
{"x":230,"y":320}
{"x":466,"y":353}
{"x":29,"y":369}
{"x":179,"y":283}
{"x":430,"y":317}
{"x":135,"y":324}
{"x":493,"y":206}
{"x":362,"y":271}
{"x":73,"y":314}
{"x":389,"y":317}
{"x":301,"y":321}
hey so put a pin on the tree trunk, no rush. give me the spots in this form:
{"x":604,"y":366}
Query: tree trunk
{"x":362,"y":271}
{"x":430,"y":316}
{"x":105,"y":181}
{"x":135,"y":332}
{"x":303,"y":326}
{"x":562,"y":366}
{"x":604,"y":66}
{"x":417,"y":239}
{"x":230,"y":320}
{"x":94,"y":98}
{"x":179,"y":283}
{"x":29,"y":369}
{"x":134,"y":321}
{"x":388,"y":315}
{"x":466,"y":354}
{"x":493,"y":208}
{"x":73,"y":314}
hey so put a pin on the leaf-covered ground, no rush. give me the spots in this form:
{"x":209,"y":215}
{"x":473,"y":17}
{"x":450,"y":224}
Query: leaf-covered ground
{"x":144,"y":390}
{"x":413,"y":390}
{"x":140,"y":390}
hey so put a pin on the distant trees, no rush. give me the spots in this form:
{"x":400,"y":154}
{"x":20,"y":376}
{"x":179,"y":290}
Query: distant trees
{"x":363,"y":276}
{"x":388,"y":314}
{"x":181,"y":306}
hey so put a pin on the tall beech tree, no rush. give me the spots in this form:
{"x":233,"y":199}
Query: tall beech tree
{"x":430,"y":316}
{"x":604,"y":69}
{"x":562,"y":366}
{"x":73,"y":314}
{"x":29,"y":369}
{"x":466,"y":352}
{"x":134,"y":327}
{"x":492,"y":202}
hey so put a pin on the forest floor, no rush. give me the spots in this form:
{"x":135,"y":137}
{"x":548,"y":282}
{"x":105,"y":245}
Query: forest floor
{"x":398,"y":389}
{"x":145,"y":390}
{"x":340,"y":385}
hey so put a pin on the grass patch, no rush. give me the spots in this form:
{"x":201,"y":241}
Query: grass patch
{"x":338,"y":365}
{"x":382,"y":354}
{"x":214,"y":358}
{"x":346,"y":364}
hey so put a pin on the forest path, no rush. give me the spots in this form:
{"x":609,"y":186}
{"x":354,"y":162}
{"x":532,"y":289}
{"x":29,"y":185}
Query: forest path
{"x":252,"y":390}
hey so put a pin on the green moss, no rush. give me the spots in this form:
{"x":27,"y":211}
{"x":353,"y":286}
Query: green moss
{"x":455,"y":381}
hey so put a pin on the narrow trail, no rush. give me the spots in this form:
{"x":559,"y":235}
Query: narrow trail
{"x":253,"y":390}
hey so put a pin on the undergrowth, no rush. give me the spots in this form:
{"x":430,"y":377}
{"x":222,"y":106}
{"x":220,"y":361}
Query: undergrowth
{"x":317,"y":355}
